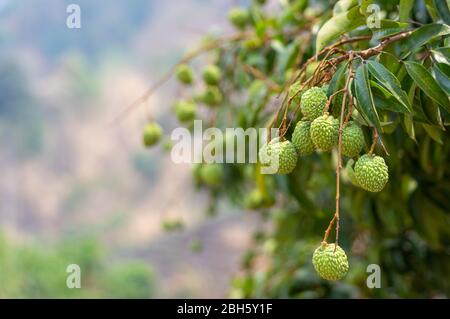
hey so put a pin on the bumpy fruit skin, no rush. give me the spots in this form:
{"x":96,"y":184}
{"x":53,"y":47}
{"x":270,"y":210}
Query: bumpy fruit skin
{"x":330,"y":263}
{"x":313,"y":103}
{"x":284,"y":152}
{"x":352,"y":139}
{"x":212,"y":96}
{"x":371,"y":173}
{"x":184,"y":74}
{"x":185,"y":111}
{"x":239,"y":17}
{"x":295,"y":94}
{"x":212,"y":174}
{"x":152,"y":134}
{"x":212,"y":74}
{"x":301,"y":138}
{"x":325,"y":132}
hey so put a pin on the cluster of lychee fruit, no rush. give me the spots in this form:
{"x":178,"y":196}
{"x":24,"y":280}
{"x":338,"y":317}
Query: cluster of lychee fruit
{"x":319,"y":131}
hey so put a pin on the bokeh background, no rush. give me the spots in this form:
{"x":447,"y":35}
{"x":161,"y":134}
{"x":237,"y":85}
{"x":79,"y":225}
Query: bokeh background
{"x":76,"y":185}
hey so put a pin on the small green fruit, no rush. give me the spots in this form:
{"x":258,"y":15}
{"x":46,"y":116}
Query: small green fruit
{"x":152,"y":134}
{"x":325,"y":132}
{"x":257,"y":200}
{"x":185,"y":111}
{"x":371,"y":173}
{"x":212,"y":96}
{"x":281,"y":156}
{"x":212,"y":74}
{"x":325,"y":88}
{"x":239,"y":17}
{"x":352,"y":139}
{"x":184,"y":74}
{"x":313,"y":102}
{"x":212,"y":174}
{"x":330,"y":261}
{"x":301,"y":138}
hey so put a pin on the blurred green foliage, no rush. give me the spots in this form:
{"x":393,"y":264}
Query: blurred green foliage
{"x":29,"y":271}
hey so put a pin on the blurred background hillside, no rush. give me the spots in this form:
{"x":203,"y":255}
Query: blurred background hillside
{"x":78,"y":187}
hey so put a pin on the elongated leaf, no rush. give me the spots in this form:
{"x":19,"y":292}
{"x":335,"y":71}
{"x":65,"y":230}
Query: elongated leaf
{"x":384,"y":100}
{"x":441,"y":55}
{"x":427,"y":83}
{"x":338,"y":79}
{"x":364,"y":97}
{"x":434,"y":132}
{"x":442,"y":78}
{"x":405,"y":9}
{"x":338,"y":25}
{"x":421,"y":36}
{"x":344,"y":6}
{"x":409,"y":126}
{"x":443,"y":10}
{"x":389,"y":81}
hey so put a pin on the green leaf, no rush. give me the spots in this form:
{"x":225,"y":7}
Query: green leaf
{"x":338,"y":25}
{"x":364,"y":97}
{"x":422,"y":36}
{"x":385,"y":101}
{"x":338,"y":79}
{"x":405,"y":9}
{"x":442,"y":78}
{"x":434,"y":132}
{"x":427,"y":83}
{"x":442,"y":9}
{"x":343,"y":6}
{"x":389,"y":81}
{"x":441,"y":55}
{"x":409,"y":126}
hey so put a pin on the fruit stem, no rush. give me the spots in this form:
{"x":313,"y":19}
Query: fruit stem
{"x":342,"y":122}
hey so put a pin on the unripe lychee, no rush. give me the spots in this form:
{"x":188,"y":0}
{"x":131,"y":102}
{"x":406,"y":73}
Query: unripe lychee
{"x":212,"y":96}
{"x":212,"y":74}
{"x":313,"y":102}
{"x":325,"y":132}
{"x":280,"y":156}
{"x":152,"y":134}
{"x":301,"y":138}
{"x":184,"y":74}
{"x":325,"y":88}
{"x":352,"y":139}
{"x":371,"y":173}
{"x":330,"y":261}
{"x":239,"y":17}
{"x":185,"y":110}
{"x":212,"y":174}
{"x":257,"y":199}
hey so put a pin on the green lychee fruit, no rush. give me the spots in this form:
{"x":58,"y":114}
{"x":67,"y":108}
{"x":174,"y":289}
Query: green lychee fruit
{"x":185,"y":110}
{"x":310,"y":69}
{"x":256,"y":199}
{"x":371,"y":173}
{"x":212,"y":174}
{"x":152,"y":134}
{"x":330,"y":261}
{"x":212,"y":74}
{"x":280,"y":156}
{"x":325,"y":88}
{"x":313,"y":102}
{"x":301,"y":138}
{"x":184,"y":74}
{"x":239,"y":17}
{"x":294,"y":94}
{"x":352,"y":139}
{"x":325,"y":132}
{"x":212,"y":96}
